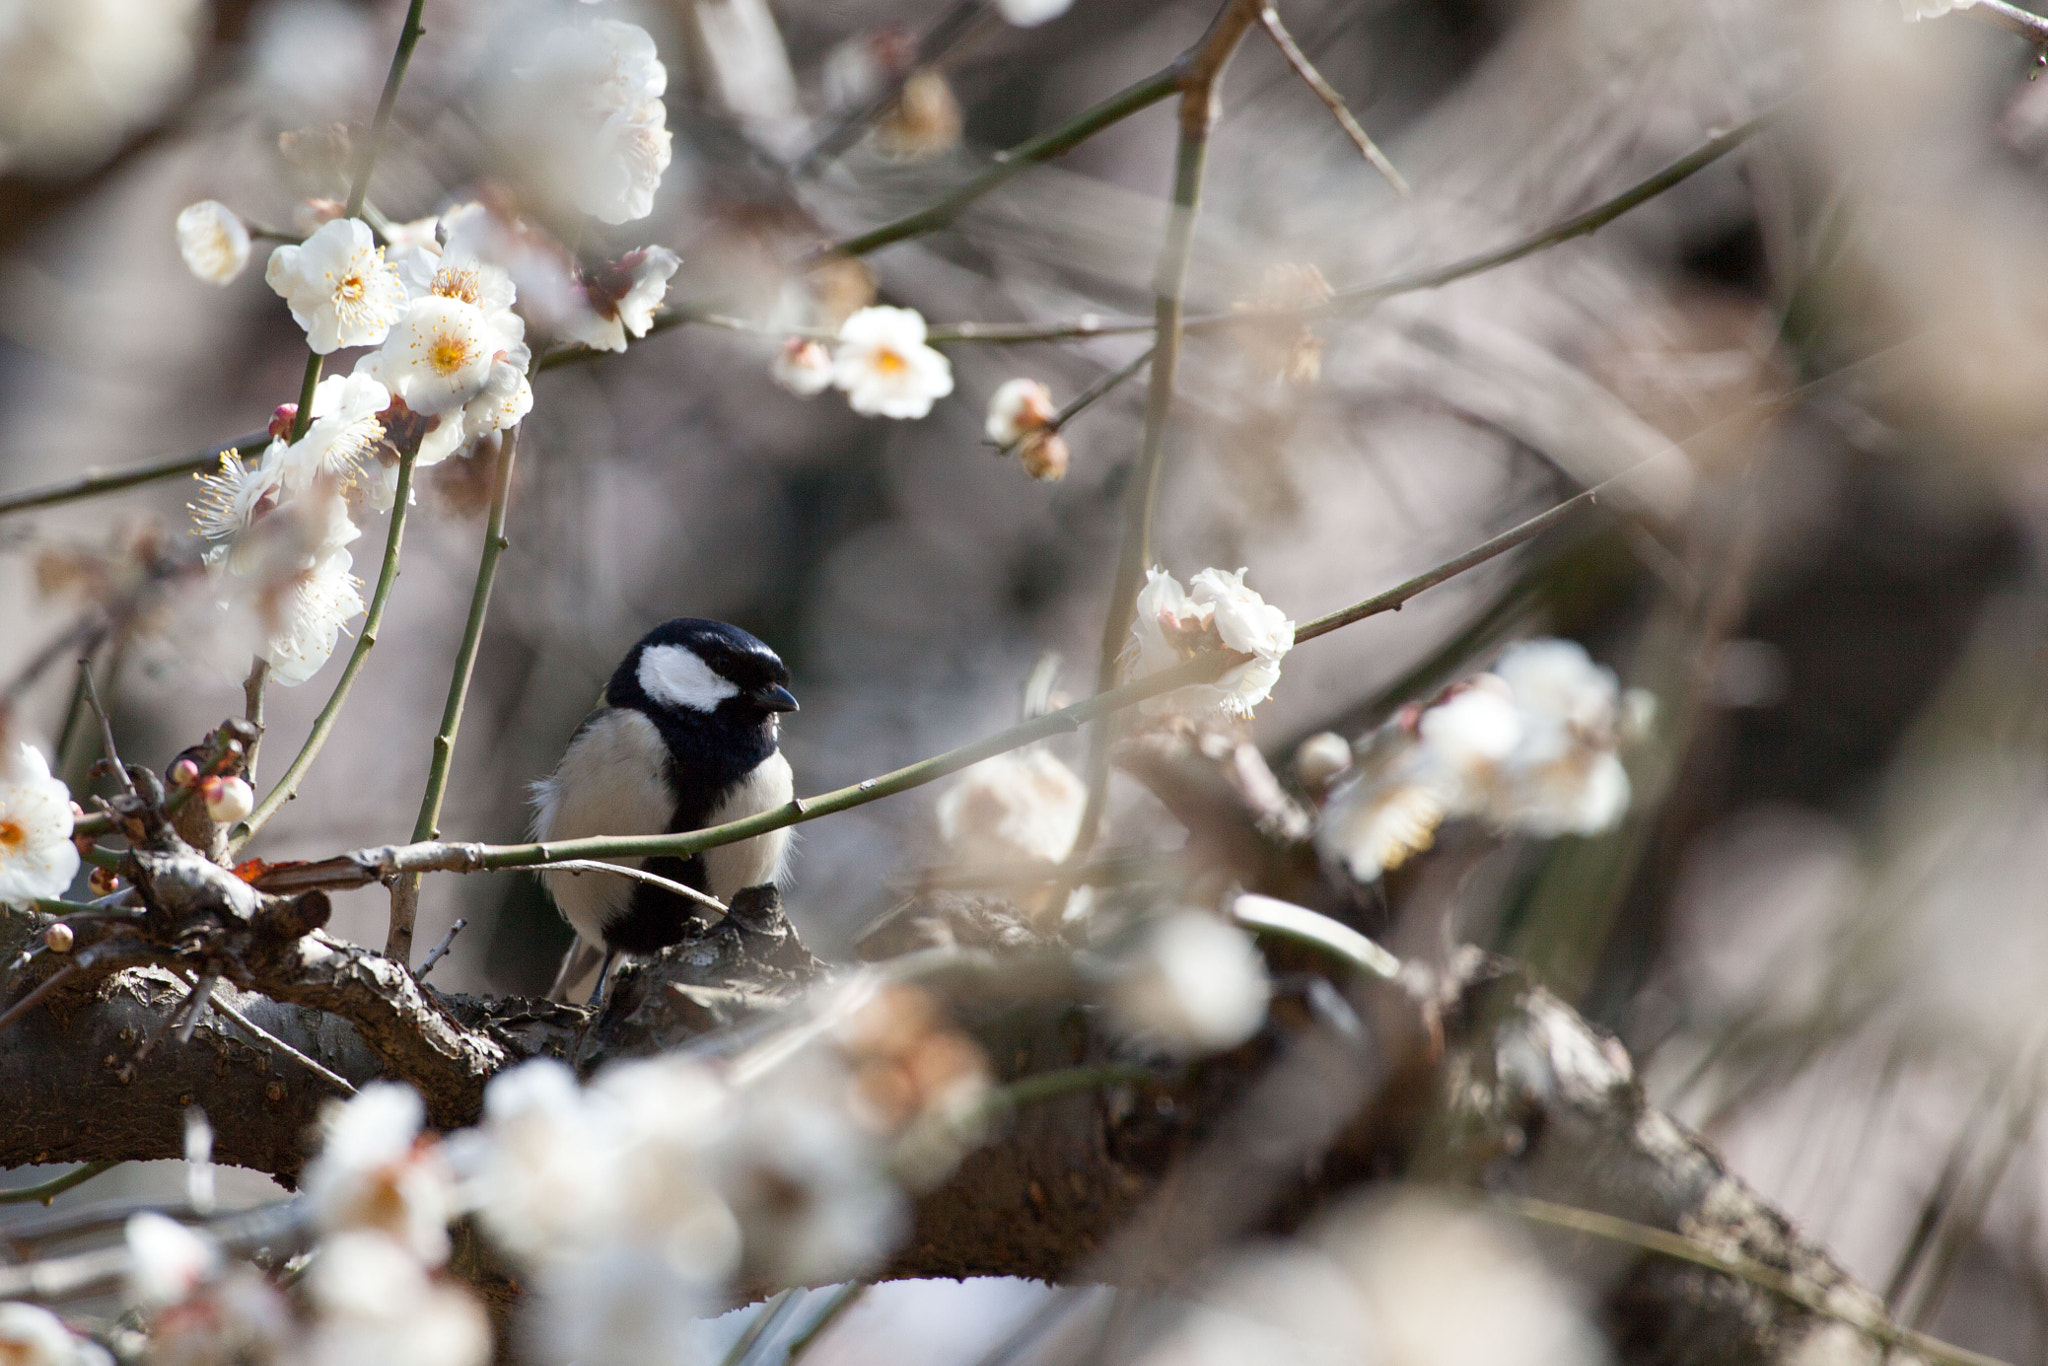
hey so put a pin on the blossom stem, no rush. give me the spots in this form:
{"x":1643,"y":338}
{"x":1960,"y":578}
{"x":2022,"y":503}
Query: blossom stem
{"x":366,"y":157}
{"x":1009,"y":165}
{"x":323,"y":724}
{"x":405,"y":891}
{"x":1088,"y":397}
{"x":93,"y":482}
{"x":253,"y":689}
{"x":45,"y":1192}
{"x":1198,"y":107}
{"x":362,"y":866}
{"x":307,"y":386}
{"x":1318,"y":931}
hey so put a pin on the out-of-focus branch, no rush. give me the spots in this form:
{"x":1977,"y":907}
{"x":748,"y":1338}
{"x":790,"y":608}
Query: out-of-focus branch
{"x":1089,"y":396}
{"x":323,"y":724}
{"x":1269,"y":18}
{"x":405,"y":891}
{"x":44,"y":1192}
{"x":950,"y":29}
{"x":2011,"y":18}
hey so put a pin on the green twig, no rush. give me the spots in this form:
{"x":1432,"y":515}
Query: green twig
{"x":45,"y":1192}
{"x":1327,"y":93}
{"x":1303,"y":926}
{"x":843,"y":1299}
{"x":1089,"y":397}
{"x":252,"y":710}
{"x":770,"y":1316}
{"x":323,"y":724}
{"x":405,"y":891}
{"x":92,"y":483}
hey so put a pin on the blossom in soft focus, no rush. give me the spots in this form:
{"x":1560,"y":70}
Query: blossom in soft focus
{"x":377,"y":1306}
{"x":620,"y":297}
{"x":31,"y":1335}
{"x":1022,"y":806}
{"x":808,"y":1184}
{"x":1172,"y":624}
{"x":1044,"y":456}
{"x":213,"y":241}
{"x":338,"y":285}
{"x":37,"y":857}
{"x":884,"y":366}
{"x":803,"y":366}
{"x":287,"y":565}
{"x":1530,"y":746}
{"x":532,"y":1169}
{"x":1915,"y":10}
{"x":924,"y":121}
{"x":78,"y":75}
{"x":1032,"y":13}
{"x":167,"y":1262}
{"x":1192,"y":984}
{"x":619,"y":1305}
{"x":1321,"y":759}
{"x":661,"y":1116}
{"x":586,"y":117}
{"x":1018,"y":406}
{"x":376,"y":1170}
{"x":916,"y":1079}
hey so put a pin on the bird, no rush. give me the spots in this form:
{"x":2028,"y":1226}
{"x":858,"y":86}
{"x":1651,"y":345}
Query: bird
{"x":687,"y":735}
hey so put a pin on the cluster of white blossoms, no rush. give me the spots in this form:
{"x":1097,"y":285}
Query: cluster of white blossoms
{"x":31,"y":1335}
{"x":37,"y":857}
{"x":1173,"y":624}
{"x":1530,"y":746}
{"x":880,"y":361}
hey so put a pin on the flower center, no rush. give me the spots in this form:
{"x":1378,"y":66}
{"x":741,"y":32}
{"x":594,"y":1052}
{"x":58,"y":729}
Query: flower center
{"x":351,"y":288}
{"x":449,"y":352}
{"x":12,"y":837}
{"x":890,"y":362}
{"x":463,"y":284}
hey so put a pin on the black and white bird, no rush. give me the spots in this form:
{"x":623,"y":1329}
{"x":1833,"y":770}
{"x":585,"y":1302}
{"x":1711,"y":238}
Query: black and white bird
{"x":686,"y":737}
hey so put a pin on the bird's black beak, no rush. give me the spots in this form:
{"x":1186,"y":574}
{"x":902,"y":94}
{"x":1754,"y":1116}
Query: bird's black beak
{"x":775,"y":697}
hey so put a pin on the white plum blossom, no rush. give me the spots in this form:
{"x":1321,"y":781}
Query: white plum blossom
{"x":1529,"y":747}
{"x":531,"y":1170}
{"x":662,"y":1115}
{"x":1017,"y":408}
{"x":1171,"y":624}
{"x":1193,"y":984}
{"x":213,"y":241}
{"x":339,"y":286}
{"x":167,"y":1262}
{"x":438,"y":356}
{"x":1032,"y":13}
{"x":37,"y":857}
{"x":376,"y":1170}
{"x":619,"y":298}
{"x":621,"y":1305}
{"x":884,"y":366}
{"x":1016,"y":807}
{"x":342,"y":436}
{"x":233,"y":497}
{"x":803,"y":366}
{"x":31,"y":1335}
{"x":587,"y":112}
{"x":377,"y":1304}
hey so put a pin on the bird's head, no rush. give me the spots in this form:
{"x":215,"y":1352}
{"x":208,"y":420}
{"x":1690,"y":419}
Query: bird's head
{"x":692,"y":672}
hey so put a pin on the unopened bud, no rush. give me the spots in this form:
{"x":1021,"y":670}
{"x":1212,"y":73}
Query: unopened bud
{"x":1320,"y":759}
{"x":228,"y":799}
{"x":309,"y":216}
{"x":804,"y":367}
{"x":1044,"y":455}
{"x":104,"y":882}
{"x":282,"y":418}
{"x":184,"y":773}
{"x":59,"y":938}
{"x":1016,"y":409}
{"x":925,"y":121}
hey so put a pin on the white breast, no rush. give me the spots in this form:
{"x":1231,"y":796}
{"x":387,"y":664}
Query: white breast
{"x":609,"y":783}
{"x":751,"y":863}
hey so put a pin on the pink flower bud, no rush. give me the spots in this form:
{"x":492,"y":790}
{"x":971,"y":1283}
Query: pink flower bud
{"x":227,"y":799}
{"x":281,"y":419}
{"x":60,"y":938}
{"x":184,"y":773}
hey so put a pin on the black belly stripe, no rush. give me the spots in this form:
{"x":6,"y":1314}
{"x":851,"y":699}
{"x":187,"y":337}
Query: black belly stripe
{"x":657,"y":917}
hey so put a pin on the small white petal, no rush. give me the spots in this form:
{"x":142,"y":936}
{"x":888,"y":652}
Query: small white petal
{"x":213,"y":241}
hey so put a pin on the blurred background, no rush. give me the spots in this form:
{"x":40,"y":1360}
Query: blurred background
{"x":1823,"y":929}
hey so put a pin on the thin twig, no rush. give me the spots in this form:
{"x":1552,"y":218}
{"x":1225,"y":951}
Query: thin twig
{"x":2011,"y":18}
{"x":1269,"y":18}
{"x":950,"y":28}
{"x":252,"y":710}
{"x":264,"y":1036}
{"x":440,"y":950}
{"x":93,"y":482}
{"x":584,"y":865}
{"x":47,"y":1191}
{"x":1198,"y":107}
{"x":1676,"y":1246}
{"x":743,"y":1348}
{"x":1304,"y":926}
{"x":202,"y":996}
{"x":323,"y":725}
{"x":405,"y":890}
{"x":1088,"y":398}
{"x":843,"y":1299}
{"x":48,"y":985}
{"x":92,"y":698}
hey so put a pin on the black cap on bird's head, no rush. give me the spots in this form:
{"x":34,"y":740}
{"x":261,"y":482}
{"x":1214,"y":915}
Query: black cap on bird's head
{"x":694,"y":668}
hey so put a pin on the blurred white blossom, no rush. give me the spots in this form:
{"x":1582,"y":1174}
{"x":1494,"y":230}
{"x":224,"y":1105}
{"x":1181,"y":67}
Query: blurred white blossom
{"x":167,"y":1262}
{"x":585,"y":112}
{"x":340,"y":288}
{"x":884,"y":366}
{"x":803,"y":366}
{"x":213,"y":241}
{"x":620,"y":1305}
{"x":1018,"y":406}
{"x":378,"y":1306}
{"x":619,"y":298}
{"x":1529,"y":747}
{"x":37,"y":857}
{"x":533,"y":1170}
{"x":31,"y":1335}
{"x":1032,"y":13}
{"x":1192,"y":984}
{"x":1172,"y":624}
{"x":1019,"y":806}
{"x":77,"y":75}
{"x":376,"y":1170}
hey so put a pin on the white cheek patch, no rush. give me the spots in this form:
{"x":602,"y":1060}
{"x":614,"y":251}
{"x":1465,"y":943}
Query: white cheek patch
{"x":675,"y":675}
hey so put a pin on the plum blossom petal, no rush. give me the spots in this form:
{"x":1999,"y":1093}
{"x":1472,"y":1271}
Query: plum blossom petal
{"x":213,"y":241}
{"x":37,"y":857}
{"x":339,"y":286}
